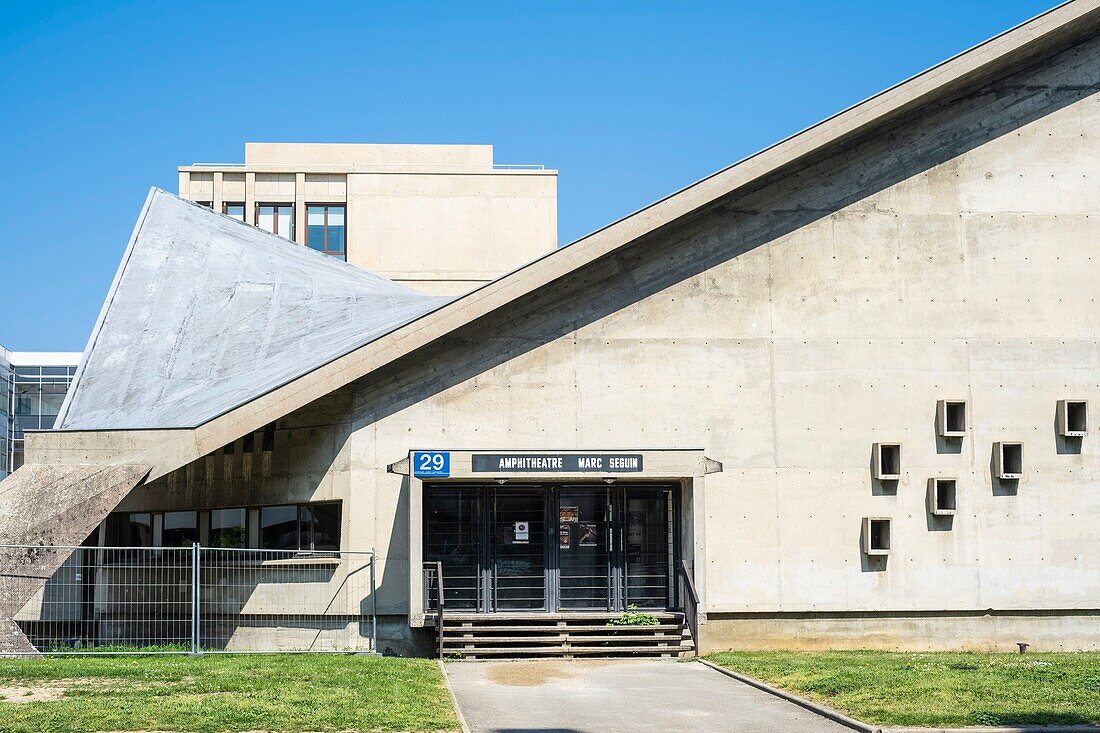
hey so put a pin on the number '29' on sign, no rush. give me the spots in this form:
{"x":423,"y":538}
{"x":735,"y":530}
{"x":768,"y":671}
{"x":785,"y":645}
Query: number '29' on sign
{"x":431,"y":464}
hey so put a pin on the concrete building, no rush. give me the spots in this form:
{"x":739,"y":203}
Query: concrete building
{"x":442,"y":219}
{"x":32,"y":388}
{"x":839,"y":389}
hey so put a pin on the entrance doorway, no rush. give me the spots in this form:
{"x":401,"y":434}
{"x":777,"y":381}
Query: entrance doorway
{"x":568,"y":547}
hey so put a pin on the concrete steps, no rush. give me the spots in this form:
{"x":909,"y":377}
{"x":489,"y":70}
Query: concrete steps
{"x":473,"y":636}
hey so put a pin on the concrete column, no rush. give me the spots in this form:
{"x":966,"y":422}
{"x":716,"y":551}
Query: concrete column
{"x":184,"y":185}
{"x":300,"y":208}
{"x":217,"y":204}
{"x":250,"y":197}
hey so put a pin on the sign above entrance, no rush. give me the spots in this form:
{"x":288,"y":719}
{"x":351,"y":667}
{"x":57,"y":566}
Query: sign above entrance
{"x":555,"y":463}
{"x":431,"y":464}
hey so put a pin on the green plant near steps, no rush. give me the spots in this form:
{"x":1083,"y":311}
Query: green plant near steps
{"x":632,"y":617}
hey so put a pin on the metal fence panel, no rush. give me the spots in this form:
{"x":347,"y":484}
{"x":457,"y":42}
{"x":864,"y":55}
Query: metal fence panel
{"x":194,"y":599}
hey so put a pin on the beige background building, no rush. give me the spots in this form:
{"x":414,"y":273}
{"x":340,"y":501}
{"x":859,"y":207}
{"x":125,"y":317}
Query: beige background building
{"x":442,"y":219}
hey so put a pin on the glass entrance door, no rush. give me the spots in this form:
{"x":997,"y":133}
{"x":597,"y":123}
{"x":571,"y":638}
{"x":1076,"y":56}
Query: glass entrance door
{"x":646,"y":547}
{"x":565,"y":547}
{"x":584,"y":558}
{"x":519,"y":549}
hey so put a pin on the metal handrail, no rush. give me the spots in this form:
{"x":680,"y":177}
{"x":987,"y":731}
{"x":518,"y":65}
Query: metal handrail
{"x":690,"y":602}
{"x":435,"y":568}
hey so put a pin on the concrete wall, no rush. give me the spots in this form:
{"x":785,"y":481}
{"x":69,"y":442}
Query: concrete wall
{"x":784,"y":331}
{"x":438,"y":218}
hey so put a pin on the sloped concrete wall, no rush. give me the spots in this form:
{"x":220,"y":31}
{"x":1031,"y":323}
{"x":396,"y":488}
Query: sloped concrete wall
{"x":784,"y":331}
{"x":49,"y":506}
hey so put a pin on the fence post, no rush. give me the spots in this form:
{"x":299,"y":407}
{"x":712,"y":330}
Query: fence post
{"x":373,"y":603}
{"x":195,"y":578}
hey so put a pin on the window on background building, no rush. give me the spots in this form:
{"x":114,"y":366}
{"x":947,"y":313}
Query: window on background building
{"x":52,"y":395}
{"x":325,"y":229}
{"x":181,"y":529}
{"x":300,"y":527}
{"x":228,"y":528}
{"x":207,"y":204}
{"x":234,"y":210}
{"x":36,"y":396}
{"x":277,"y":219}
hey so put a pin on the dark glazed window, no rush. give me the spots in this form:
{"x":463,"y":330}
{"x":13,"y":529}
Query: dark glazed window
{"x":300,"y":527}
{"x":130,"y":530}
{"x":279,"y":527}
{"x":228,"y":528}
{"x":181,"y":529}
{"x":321,"y":522}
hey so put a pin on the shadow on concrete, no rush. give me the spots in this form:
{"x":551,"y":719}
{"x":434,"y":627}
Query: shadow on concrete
{"x":870,"y":563}
{"x":1070,"y":446}
{"x":1001,"y":487}
{"x":761,"y":212}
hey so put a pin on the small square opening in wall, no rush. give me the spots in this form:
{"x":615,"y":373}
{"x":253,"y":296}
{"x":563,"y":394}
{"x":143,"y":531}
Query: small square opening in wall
{"x":887,"y":461}
{"x":942,"y":496}
{"x":951,"y":418}
{"x":1073,"y":418}
{"x":876,"y":535}
{"x":1008,"y":460}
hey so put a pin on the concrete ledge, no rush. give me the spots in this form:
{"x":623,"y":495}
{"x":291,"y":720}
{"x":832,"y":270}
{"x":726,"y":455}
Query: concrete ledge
{"x":800,"y":701}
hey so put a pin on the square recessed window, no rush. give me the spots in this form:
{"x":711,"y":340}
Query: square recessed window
{"x":951,"y":418}
{"x":1008,"y":459}
{"x":1073,"y":418}
{"x":876,"y":535}
{"x":943,"y":496}
{"x":887,"y":461}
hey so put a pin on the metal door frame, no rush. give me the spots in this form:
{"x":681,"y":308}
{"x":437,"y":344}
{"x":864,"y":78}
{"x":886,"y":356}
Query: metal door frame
{"x":615,"y":496}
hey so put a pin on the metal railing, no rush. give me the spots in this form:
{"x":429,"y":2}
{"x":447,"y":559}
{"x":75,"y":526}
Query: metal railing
{"x":689,"y":599}
{"x":194,"y":600}
{"x":433,"y":599}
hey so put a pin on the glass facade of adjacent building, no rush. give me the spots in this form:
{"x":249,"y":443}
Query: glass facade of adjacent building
{"x":32,"y":388}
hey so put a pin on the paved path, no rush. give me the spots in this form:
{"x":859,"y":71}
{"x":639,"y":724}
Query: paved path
{"x":613,"y":696}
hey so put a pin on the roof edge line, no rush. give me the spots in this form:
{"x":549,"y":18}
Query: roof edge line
{"x":826,"y":120}
{"x":606,"y":240}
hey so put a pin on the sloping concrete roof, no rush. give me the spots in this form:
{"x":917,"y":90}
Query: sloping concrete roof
{"x":1054,"y":29}
{"x":206,"y":313}
{"x":225,"y":410}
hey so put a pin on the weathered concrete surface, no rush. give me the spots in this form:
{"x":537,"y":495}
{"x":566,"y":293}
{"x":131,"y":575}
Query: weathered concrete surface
{"x":50,"y":505}
{"x":831,"y":292}
{"x":207,"y":313}
{"x":619,"y":696}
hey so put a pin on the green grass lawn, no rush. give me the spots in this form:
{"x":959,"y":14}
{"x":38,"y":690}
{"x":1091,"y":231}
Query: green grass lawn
{"x":215,"y":693}
{"x":936,"y":689}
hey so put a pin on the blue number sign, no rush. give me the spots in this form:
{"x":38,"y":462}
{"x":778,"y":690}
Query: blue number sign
{"x":431,"y":464}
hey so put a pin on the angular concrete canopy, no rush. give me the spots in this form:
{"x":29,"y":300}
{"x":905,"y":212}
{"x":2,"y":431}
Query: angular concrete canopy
{"x":207,"y":313}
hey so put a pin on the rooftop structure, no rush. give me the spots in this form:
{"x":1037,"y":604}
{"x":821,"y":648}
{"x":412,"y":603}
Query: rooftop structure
{"x":442,"y":219}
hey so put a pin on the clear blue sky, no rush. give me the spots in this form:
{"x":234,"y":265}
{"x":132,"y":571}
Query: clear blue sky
{"x":629,"y":101}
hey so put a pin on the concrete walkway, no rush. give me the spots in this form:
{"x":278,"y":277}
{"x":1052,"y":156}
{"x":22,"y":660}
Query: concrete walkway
{"x":609,"y":696}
